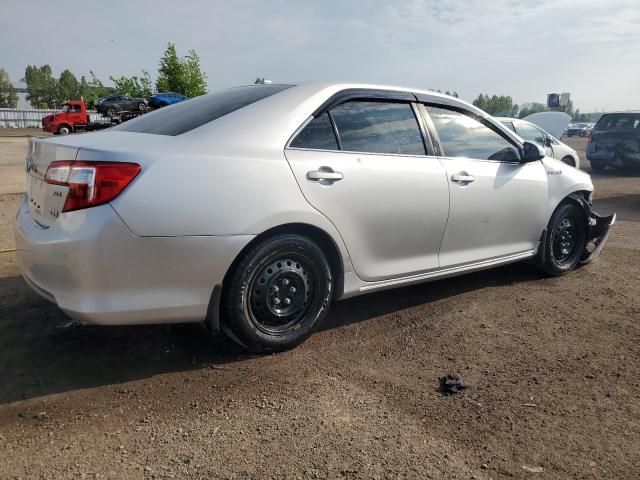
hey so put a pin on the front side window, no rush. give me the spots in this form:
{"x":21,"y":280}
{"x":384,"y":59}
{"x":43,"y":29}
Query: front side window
{"x":318,"y":134}
{"x":378,"y":127}
{"x":531,"y":133}
{"x":464,"y":136}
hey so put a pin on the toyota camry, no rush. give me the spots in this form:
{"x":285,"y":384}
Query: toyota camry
{"x":252,"y":209}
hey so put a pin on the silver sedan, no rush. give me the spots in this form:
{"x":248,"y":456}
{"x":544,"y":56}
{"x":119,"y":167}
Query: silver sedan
{"x":254,"y":208}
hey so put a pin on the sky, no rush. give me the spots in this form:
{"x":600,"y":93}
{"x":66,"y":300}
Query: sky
{"x":522,"y":48}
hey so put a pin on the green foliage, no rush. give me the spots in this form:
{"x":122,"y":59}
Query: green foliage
{"x":134,"y":86}
{"x":529,"y":108}
{"x":8,"y":94}
{"x":182,"y":75}
{"x":495,"y":105}
{"x":67,"y":87}
{"x":42,"y":87}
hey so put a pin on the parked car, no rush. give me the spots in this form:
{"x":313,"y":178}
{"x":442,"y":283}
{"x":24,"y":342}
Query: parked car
{"x":254,"y":208}
{"x":115,"y":104}
{"x":552,"y":146}
{"x":158,"y":100}
{"x":578,"y":130}
{"x":614,"y":141}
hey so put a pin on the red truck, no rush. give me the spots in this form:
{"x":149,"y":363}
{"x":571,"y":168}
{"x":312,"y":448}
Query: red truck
{"x":75,"y":118}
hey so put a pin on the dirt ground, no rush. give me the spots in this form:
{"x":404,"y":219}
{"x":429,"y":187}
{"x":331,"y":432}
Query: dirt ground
{"x":552,"y":366}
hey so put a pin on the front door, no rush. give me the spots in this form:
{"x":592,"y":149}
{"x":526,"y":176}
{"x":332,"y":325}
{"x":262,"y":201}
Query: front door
{"x":364,"y":166}
{"x":498,"y":204}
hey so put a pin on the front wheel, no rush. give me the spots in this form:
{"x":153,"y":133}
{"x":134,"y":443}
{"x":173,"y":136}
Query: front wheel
{"x":565,"y":239}
{"x":278,"y":293}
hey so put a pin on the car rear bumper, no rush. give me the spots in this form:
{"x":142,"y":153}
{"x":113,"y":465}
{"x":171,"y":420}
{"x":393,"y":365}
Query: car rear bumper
{"x":97,"y":271}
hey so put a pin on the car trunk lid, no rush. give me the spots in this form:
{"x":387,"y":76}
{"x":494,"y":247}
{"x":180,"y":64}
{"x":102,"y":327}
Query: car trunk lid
{"x":46,"y":200}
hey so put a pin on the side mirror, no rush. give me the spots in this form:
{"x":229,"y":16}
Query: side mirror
{"x":532,"y":152}
{"x":547,"y":142}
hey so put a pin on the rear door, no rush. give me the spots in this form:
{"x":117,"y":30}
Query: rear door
{"x":364,"y":165}
{"x":498,"y":205}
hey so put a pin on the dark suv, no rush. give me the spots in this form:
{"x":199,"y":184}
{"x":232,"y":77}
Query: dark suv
{"x":116,"y":104}
{"x":615,"y":141}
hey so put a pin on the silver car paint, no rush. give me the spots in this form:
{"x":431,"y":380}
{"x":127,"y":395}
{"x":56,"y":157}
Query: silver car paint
{"x":156,"y":252}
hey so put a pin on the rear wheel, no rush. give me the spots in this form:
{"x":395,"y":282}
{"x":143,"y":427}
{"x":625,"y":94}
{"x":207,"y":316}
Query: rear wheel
{"x":565,"y":239}
{"x":278,"y":293}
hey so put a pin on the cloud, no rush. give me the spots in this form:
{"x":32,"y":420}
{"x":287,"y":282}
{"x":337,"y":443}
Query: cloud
{"x":522,"y":48}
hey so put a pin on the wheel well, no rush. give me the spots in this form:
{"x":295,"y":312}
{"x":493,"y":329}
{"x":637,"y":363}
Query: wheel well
{"x":322,"y":238}
{"x":572,"y":161}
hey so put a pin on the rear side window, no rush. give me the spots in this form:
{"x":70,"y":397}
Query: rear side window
{"x":185,"y":116}
{"x":318,"y":134}
{"x":619,"y":121}
{"x":378,"y":127}
{"x":464,"y":136}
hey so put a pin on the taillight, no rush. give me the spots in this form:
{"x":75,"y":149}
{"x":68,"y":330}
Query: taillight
{"x":91,"y":183}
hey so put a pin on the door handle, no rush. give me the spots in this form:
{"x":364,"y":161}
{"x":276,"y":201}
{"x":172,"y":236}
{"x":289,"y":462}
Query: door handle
{"x":462,"y":177}
{"x":324,"y":175}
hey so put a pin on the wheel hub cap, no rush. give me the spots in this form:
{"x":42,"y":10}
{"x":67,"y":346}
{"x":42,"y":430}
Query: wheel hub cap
{"x":564,"y":243}
{"x":279,"y":294}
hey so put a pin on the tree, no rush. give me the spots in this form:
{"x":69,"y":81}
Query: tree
{"x":67,"y":87}
{"x":134,"y":86}
{"x":8,"y":94}
{"x":495,"y":105}
{"x":41,"y":86}
{"x":529,"y":108}
{"x":182,"y":75}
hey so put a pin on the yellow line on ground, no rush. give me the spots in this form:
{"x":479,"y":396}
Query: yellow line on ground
{"x":7,"y":250}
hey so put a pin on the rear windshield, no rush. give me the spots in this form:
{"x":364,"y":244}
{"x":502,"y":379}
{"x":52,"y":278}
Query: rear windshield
{"x":619,"y":121}
{"x":184,"y":116}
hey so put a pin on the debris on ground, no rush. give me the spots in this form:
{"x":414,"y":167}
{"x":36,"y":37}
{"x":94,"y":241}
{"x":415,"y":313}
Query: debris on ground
{"x":533,"y":469}
{"x":451,"y":384}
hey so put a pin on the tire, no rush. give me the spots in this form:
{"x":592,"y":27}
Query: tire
{"x":111,"y":112}
{"x":569,"y":134}
{"x":569,"y":161}
{"x":597,"y":166}
{"x":565,"y":239}
{"x":142,"y":107}
{"x":283,"y":268}
{"x":64,"y":130}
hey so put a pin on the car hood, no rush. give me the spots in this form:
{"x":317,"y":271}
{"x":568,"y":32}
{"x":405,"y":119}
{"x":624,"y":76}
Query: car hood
{"x":553,"y":122}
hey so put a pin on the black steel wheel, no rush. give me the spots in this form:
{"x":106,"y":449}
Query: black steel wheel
{"x":277,"y":294}
{"x":565,"y":239}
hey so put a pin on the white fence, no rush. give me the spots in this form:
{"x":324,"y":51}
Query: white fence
{"x":32,"y":117}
